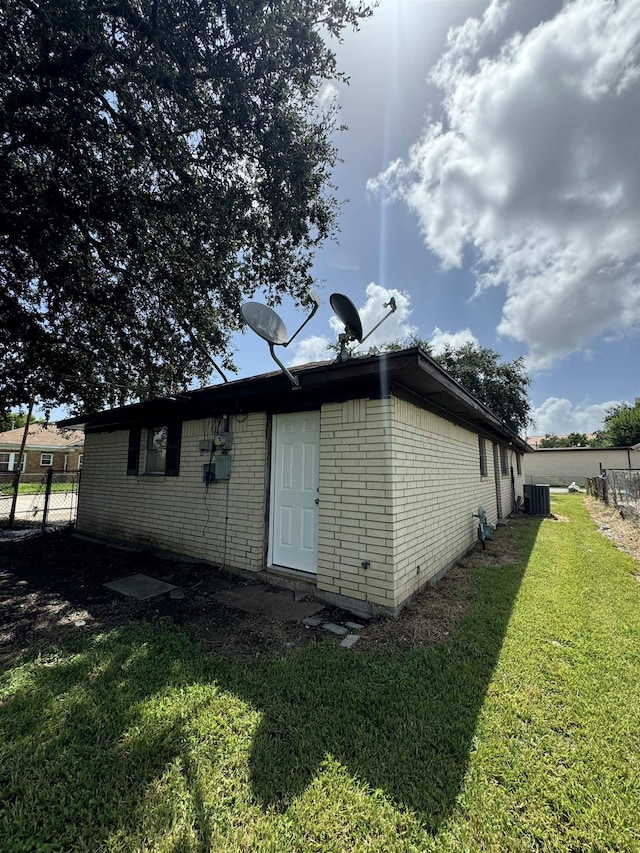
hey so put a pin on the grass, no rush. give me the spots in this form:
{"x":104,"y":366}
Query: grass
{"x":36,"y":488}
{"x":520,"y":733}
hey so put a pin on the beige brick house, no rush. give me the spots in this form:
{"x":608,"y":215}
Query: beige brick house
{"x":46,"y":447}
{"x":360,"y":487}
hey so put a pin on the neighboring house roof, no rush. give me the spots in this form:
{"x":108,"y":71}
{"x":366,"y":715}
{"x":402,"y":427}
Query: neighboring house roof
{"x":409,"y":373}
{"x":534,"y":441}
{"x":41,"y":437}
{"x":580,"y":449}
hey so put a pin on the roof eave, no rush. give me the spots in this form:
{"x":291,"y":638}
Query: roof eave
{"x":364,"y":376}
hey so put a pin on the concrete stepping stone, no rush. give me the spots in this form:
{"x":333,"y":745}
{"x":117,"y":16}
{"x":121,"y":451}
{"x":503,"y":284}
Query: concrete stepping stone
{"x":340,"y":630}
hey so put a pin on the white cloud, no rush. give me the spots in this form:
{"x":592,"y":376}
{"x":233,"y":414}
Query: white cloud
{"x":439,"y":340}
{"x":313,"y":348}
{"x":536,"y":169}
{"x":559,"y":416}
{"x":327,"y":97}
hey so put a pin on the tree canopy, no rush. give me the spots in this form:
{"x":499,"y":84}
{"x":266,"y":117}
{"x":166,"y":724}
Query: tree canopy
{"x":574,"y":439}
{"x":161,"y":160}
{"x":621,"y":427}
{"x":502,"y":386}
{"x":15,"y":420}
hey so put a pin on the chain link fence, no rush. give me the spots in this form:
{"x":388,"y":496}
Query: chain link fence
{"x":619,"y":489}
{"x":39,"y":500}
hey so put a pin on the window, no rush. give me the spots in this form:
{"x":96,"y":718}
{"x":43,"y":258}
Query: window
{"x":482,"y":448}
{"x":161,"y":450}
{"x":9,"y":461}
{"x":503,"y":461}
{"x":133,"y":455}
{"x":46,"y":459}
{"x":519,"y":463}
{"x":156,"y":452}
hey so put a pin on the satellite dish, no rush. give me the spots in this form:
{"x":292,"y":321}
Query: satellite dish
{"x":347,"y":313}
{"x":269,"y":326}
{"x":265,"y":322}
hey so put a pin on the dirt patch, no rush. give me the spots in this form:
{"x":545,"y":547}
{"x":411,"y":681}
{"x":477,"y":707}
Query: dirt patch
{"x":52,"y":583}
{"x":611,"y":524}
{"x":433,"y":613}
{"x":52,"y":586}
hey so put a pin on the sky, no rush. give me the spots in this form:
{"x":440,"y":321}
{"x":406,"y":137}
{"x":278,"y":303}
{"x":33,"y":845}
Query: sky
{"x":491,"y":179}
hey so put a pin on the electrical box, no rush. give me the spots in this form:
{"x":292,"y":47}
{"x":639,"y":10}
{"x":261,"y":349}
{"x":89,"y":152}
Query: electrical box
{"x":223,"y":467}
{"x":220,"y":469}
{"x":206,"y":445}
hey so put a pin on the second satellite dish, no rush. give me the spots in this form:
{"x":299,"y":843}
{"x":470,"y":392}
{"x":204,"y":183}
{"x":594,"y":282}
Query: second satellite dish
{"x":348,"y":314}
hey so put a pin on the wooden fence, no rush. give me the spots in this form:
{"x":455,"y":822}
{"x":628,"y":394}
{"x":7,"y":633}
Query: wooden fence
{"x":619,"y":489}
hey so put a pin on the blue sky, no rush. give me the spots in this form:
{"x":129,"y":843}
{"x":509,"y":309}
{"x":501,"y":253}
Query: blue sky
{"x":491,"y":180}
{"x":492,"y":172}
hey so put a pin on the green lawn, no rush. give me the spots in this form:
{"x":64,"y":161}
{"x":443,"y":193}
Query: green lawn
{"x":522,"y":732}
{"x":6,"y":488}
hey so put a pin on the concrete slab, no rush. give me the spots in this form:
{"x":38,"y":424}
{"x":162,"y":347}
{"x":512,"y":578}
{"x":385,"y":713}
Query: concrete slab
{"x":276,"y":604}
{"x":340,"y":630}
{"x":140,"y":586}
{"x":349,"y":641}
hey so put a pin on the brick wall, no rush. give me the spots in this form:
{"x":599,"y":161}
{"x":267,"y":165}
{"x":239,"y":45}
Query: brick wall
{"x":34,"y":455}
{"x":437,"y":486}
{"x":398,"y":488}
{"x":223,"y":523}
{"x":355,"y":522}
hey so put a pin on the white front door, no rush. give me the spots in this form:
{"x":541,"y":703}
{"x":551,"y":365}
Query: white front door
{"x":294,"y":491}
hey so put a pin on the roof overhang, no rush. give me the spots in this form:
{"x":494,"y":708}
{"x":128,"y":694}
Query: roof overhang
{"x":410,"y":373}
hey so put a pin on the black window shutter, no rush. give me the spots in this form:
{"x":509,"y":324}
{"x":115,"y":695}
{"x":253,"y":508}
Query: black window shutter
{"x":133,"y":456}
{"x":174,"y":436}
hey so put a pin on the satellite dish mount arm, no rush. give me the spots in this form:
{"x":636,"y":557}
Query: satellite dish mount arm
{"x":316,"y":304}
{"x":391,"y":304}
{"x":295,"y":382}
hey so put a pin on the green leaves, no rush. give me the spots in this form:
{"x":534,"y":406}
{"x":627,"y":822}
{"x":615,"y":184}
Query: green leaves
{"x":621,"y":427}
{"x":160,"y":162}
